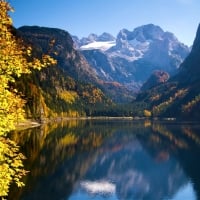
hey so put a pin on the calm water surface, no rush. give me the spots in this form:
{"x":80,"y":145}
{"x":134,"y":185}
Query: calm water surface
{"x":110,"y":160}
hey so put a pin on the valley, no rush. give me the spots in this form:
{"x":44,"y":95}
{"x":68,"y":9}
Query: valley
{"x":102,"y":116}
{"x":108,"y":76}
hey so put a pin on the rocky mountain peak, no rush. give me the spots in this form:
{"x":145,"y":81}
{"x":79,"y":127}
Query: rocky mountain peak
{"x":105,"y":37}
{"x":179,"y":96}
{"x":92,"y":37}
{"x":170,"y":36}
{"x":147,"y":32}
{"x":134,"y":55}
{"x":142,"y":33}
{"x":151,"y":43}
{"x":156,"y":78}
{"x":69,"y":59}
{"x":123,"y":34}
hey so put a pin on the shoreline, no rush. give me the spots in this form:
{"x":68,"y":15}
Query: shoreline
{"x":27,"y":124}
{"x":32,"y":123}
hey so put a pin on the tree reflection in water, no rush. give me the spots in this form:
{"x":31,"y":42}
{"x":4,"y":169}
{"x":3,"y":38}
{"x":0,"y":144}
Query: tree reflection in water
{"x":140,"y":160}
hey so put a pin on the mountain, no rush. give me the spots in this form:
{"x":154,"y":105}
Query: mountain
{"x":69,"y":89}
{"x":190,"y":69}
{"x":61,"y":46}
{"x":155,"y":79}
{"x":180,"y":95}
{"x":131,"y":58}
{"x":88,"y":82}
{"x":95,"y":41}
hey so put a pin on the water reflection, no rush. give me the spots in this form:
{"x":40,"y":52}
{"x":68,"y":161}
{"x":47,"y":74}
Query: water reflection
{"x":110,"y":160}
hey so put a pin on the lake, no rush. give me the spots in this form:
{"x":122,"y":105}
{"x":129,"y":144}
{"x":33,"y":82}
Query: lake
{"x":110,"y":160}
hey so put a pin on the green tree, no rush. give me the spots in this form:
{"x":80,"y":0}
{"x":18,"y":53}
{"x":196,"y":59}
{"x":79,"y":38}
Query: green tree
{"x":15,"y":59}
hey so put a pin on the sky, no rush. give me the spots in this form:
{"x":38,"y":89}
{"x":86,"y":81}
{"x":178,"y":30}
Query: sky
{"x":82,"y":17}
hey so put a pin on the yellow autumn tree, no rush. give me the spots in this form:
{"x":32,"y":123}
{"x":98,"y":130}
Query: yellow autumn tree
{"x":15,"y":59}
{"x":147,"y":113}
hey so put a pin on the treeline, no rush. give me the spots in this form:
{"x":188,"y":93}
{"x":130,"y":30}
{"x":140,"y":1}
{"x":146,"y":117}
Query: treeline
{"x":51,"y":92}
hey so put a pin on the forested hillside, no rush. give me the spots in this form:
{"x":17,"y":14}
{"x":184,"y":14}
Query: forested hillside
{"x":68,"y":89}
{"x":180,"y":96}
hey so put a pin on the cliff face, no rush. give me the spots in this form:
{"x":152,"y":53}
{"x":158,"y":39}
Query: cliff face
{"x":59,"y":44}
{"x":190,"y":68}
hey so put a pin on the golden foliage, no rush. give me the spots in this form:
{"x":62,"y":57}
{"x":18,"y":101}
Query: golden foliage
{"x":147,"y":113}
{"x":162,"y":130}
{"x":156,"y":97}
{"x":157,"y":110}
{"x":147,"y":123}
{"x":69,"y":139}
{"x":188,"y":107}
{"x":11,"y":167}
{"x":15,"y":59}
{"x":93,"y":95}
{"x":68,"y":96}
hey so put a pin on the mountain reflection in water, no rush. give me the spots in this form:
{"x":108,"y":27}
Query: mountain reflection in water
{"x":110,"y":160}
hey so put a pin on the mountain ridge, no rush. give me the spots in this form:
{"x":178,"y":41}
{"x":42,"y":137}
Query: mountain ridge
{"x":75,"y":86}
{"x":69,"y":89}
{"x":180,"y":96}
{"x":134,"y":55}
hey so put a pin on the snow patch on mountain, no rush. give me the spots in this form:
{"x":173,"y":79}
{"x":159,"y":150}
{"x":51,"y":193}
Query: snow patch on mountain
{"x":98,"y":45}
{"x":130,"y":50}
{"x":132,"y":56}
{"x":129,"y":56}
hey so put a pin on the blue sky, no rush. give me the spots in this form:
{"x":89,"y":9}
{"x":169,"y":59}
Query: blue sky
{"x":82,"y":17}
